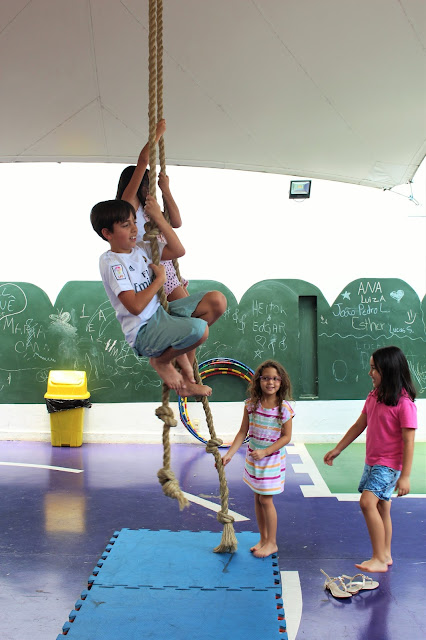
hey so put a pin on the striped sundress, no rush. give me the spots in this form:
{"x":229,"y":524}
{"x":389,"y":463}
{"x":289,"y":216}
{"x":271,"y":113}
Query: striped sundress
{"x":265,"y":476}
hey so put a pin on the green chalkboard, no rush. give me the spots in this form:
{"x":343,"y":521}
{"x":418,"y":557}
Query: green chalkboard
{"x":368,"y":314}
{"x":325,"y":349}
{"x":27,"y":350}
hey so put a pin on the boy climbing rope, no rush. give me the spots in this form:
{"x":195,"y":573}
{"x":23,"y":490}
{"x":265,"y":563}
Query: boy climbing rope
{"x":132,"y":283}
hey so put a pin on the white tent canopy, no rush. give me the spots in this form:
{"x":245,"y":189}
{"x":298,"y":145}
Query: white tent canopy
{"x":332,"y":89}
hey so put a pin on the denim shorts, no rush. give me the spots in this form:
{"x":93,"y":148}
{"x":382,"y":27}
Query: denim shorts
{"x":177,"y":329}
{"x":379,"y":480}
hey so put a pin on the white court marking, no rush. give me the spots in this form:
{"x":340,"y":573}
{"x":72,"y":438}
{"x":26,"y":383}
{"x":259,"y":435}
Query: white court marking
{"x":213,"y":506}
{"x":293,"y":601}
{"x":40,"y":466}
{"x":319,"y":488}
{"x":196,"y":499}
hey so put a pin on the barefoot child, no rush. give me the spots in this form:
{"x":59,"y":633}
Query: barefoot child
{"x":391,"y":417}
{"x":267,"y":419}
{"x":128,"y":277}
{"x":133,"y":186}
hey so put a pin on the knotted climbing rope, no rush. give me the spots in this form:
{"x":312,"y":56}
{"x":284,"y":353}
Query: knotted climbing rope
{"x":166,"y":476}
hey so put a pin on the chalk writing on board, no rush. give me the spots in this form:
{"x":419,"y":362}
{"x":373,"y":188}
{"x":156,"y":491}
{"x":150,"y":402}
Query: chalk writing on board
{"x":80,"y":331}
{"x":419,"y":374}
{"x":397,"y":295}
{"x":240,"y":321}
{"x":12,"y":300}
{"x":212,"y":349}
{"x":372,"y":313}
{"x":340,"y":370}
{"x":265,"y":322}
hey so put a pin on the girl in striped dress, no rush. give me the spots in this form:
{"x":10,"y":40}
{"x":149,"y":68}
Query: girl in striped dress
{"x":267,"y":419}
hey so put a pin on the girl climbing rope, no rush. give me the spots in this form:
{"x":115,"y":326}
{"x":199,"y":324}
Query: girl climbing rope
{"x":133,"y":186}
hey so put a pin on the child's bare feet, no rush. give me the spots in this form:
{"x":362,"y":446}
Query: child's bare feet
{"x":257,"y":546}
{"x":266,"y":550}
{"x":172,"y":378}
{"x":373,"y":566}
{"x":187,"y":368}
{"x":193,"y":389}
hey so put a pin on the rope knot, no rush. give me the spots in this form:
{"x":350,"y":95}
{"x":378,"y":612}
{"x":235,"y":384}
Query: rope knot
{"x":166,"y":414}
{"x":151,"y":235}
{"x":171,"y":487}
{"x":213,"y":444}
{"x":224,"y":518}
{"x":166,"y":475}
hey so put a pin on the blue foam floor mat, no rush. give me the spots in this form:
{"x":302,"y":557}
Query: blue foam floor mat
{"x":163,"y":584}
{"x":183,"y":559}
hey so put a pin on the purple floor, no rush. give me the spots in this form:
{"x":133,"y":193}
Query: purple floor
{"x":55,"y":525}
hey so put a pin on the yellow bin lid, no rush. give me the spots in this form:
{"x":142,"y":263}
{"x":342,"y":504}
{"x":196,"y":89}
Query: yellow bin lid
{"x":71,"y":385}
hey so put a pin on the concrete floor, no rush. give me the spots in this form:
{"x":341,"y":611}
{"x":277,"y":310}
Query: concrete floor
{"x":56,"y":524}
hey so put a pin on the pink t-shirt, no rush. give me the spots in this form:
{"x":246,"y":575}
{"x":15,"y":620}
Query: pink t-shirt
{"x":384,"y":429}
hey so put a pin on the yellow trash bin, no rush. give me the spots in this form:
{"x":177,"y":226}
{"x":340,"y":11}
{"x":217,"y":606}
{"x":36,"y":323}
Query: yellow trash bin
{"x":66,"y":398}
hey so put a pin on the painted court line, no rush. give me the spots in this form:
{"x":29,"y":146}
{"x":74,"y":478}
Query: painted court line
{"x":40,"y":466}
{"x":293,"y":601}
{"x":213,"y":506}
{"x":319,"y":488}
{"x":196,"y":499}
{"x":354,"y":497}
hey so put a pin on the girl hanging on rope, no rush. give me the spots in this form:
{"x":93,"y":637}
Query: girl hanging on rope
{"x":267,"y":419}
{"x":133,"y":186}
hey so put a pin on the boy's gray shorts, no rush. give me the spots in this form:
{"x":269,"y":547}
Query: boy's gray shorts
{"x":176,"y":329}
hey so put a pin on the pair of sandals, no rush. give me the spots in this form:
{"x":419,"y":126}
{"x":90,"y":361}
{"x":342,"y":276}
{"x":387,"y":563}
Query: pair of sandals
{"x":341,"y":589}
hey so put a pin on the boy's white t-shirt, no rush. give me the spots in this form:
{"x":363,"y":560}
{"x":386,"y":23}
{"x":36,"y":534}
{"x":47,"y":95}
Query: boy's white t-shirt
{"x":124,"y":272}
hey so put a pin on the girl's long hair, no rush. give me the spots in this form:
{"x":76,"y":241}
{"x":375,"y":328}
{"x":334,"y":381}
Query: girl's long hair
{"x":283,"y":393}
{"x":124,"y":180}
{"x":393,"y":367}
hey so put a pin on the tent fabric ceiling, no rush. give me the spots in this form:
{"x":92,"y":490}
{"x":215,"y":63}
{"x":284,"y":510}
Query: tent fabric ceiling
{"x":331,"y":89}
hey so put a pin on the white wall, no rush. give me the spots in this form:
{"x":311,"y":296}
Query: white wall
{"x":315,"y":421}
{"x":238,"y":228}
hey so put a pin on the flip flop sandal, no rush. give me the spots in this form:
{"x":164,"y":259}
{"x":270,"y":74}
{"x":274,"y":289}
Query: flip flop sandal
{"x":336,"y":586}
{"x":353,"y":586}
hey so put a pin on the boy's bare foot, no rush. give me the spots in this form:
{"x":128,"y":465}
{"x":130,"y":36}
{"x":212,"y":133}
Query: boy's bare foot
{"x":373,"y":566}
{"x":193,"y":389}
{"x":186,"y":367}
{"x":257,"y":546}
{"x":172,"y":378}
{"x":266,"y":550}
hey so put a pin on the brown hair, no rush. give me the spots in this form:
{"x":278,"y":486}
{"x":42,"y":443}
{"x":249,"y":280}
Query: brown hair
{"x":283,"y":393}
{"x":126,"y":176}
{"x":105,"y":214}
{"x":392,"y":365}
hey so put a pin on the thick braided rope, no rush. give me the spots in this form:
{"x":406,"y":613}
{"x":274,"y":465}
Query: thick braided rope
{"x":165,"y":475}
{"x":228,"y":543}
{"x":160,"y":110}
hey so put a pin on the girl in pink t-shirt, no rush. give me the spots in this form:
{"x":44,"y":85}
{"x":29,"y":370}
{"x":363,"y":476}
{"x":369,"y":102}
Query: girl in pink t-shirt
{"x":391,"y":417}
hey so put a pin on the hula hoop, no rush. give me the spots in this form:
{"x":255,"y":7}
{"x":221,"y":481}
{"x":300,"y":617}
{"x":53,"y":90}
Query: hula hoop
{"x":214,"y":367}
